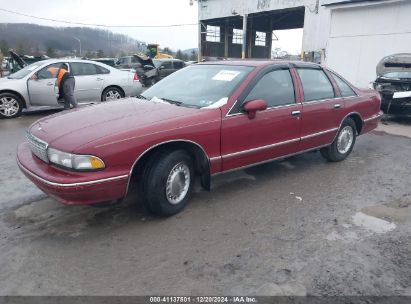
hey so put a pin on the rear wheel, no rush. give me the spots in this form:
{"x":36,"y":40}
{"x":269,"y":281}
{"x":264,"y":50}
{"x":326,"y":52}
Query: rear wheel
{"x":10,"y":105}
{"x":343,"y":144}
{"x":168,"y":182}
{"x":112,"y":93}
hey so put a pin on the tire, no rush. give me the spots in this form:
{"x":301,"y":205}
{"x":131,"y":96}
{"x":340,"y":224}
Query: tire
{"x":112,"y":93}
{"x":10,"y":105}
{"x":343,"y":144}
{"x":165,"y":195}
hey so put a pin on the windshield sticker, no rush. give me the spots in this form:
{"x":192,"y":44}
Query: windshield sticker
{"x":226,"y":75}
{"x":33,"y":68}
{"x":217,"y":104}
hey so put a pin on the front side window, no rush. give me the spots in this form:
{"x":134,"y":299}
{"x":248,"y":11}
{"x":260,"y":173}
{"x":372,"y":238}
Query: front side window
{"x":316,"y":84}
{"x":49,"y":72}
{"x":275,"y":87}
{"x":178,"y":65}
{"x":213,"y":33}
{"x":83,"y":69}
{"x":345,"y":89}
{"x":166,"y":65}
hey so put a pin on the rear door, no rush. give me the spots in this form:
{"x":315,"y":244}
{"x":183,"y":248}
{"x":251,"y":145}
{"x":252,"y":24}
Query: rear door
{"x":42,"y":88}
{"x":89,"y":81}
{"x":272,"y":133}
{"x":322,"y":108}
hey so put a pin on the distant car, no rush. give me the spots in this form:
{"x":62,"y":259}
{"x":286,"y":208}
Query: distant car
{"x":128,"y":62}
{"x":394,"y":84}
{"x":34,"y":86}
{"x":166,"y":67}
{"x":204,"y":120}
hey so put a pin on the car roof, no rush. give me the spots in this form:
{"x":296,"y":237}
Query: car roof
{"x":165,"y":59}
{"x":68,"y":60}
{"x":259,"y":63}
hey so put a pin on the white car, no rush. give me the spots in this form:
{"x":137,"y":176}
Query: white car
{"x":34,"y":87}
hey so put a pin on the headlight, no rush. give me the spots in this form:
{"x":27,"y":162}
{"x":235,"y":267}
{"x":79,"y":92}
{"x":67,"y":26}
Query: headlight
{"x":73,"y":161}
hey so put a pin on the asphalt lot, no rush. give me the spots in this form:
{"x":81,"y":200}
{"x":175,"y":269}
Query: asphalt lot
{"x":296,"y":227}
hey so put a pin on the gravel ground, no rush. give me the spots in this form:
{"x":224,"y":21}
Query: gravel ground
{"x":301,"y":226}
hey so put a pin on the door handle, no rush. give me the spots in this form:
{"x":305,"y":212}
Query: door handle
{"x":337,"y":106}
{"x":295,"y":113}
{"x":100,"y":79}
{"x":50,"y":83}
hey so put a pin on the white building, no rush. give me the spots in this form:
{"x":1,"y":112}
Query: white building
{"x":350,"y":36}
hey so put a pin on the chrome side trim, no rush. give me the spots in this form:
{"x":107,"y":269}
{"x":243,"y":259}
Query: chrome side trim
{"x":377,"y":116}
{"x":260,"y":148}
{"x":269,"y":160}
{"x":159,"y":144}
{"x":72,"y":184}
{"x":319,"y":133}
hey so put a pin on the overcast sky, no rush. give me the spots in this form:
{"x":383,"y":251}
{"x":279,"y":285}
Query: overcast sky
{"x":128,"y":12}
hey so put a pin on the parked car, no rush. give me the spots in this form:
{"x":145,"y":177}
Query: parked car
{"x":166,"y":67}
{"x":35,"y":86}
{"x":206,"y":119}
{"x":394,"y":84}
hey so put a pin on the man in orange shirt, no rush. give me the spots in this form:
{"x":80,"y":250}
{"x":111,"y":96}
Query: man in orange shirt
{"x":66,"y":84}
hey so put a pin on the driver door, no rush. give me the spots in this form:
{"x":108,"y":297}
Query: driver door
{"x":42,"y":86}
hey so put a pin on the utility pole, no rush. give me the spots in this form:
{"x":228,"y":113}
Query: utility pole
{"x":79,"y":41}
{"x":244,"y":47}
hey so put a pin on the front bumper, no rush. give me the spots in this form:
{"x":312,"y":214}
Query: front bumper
{"x":68,"y":187}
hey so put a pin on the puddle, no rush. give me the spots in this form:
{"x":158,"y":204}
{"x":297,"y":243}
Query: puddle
{"x":373,"y":224}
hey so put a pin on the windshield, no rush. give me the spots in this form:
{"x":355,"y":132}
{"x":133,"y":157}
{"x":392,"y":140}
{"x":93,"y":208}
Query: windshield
{"x":25,"y":71}
{"x":406,"y":75}
{"x":200,"y":85}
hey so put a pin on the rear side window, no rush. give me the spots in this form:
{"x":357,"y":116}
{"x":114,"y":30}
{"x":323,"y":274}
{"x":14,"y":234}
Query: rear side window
{"x":83,"y":69}
{"x":345,"y":89}
{"x":275,"y":87}
{"x":178,"y":65}
{"x":316,"y":85}
{"x":102,"y":70}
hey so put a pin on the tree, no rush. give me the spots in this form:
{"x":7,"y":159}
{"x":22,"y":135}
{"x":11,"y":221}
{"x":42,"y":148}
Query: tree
{"x":4,"y":47}
{"x":193,"y":55}
{"x":51,"y":52}
{"x":89,"y":55}
{"x":179,"y":55}
{"x":20,"y":49}
{"x":168,"y":51}
{"x":100,"y":53}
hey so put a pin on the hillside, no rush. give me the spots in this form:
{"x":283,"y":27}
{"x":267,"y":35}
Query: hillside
{"x":35,"y":39}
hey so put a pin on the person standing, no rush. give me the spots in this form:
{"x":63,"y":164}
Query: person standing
{"x":66,"y":84}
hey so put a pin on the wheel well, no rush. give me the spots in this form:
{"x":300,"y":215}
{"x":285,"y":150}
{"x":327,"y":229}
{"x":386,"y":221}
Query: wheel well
{"x":113,"y":86}
{"x":358,"y":122}
{"x":200,"y":159}
{"x":17,"y":94}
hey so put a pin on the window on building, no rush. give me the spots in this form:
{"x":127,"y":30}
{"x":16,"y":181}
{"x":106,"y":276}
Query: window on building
{"x":316,"y":84}
{"x":237,"y":36}
{"x":275,"y":87}
{"x":260,"y":38}
{"x":213,"y":33}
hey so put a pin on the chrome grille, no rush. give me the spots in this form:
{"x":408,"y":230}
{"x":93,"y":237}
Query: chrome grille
{"x":38,"y":147}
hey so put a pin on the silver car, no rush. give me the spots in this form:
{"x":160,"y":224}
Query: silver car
{"x":34,"y":87}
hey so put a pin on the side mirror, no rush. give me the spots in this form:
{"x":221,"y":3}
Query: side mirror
{"x":34,"y":77}
{"x":253,"y":106}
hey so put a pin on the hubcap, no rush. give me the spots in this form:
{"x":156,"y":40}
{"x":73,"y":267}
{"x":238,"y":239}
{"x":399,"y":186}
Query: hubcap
{"x":9,"y":106}
{"x":112,"y":95}
{"x":345,"y":140}
{"x":178,"y":182}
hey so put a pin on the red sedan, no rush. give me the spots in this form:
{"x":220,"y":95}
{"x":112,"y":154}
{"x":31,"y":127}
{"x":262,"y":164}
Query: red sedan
{"x":203,"y":120}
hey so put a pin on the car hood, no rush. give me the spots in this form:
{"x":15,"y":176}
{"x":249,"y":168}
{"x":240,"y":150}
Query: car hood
{"x":394,"y":63}
{"x":70,"y":130}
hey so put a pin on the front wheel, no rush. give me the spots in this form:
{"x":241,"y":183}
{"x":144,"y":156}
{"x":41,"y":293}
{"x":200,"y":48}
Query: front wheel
{"x":10,"y":106}
{"x":168,"y":183}
{"x":343,"y":144}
